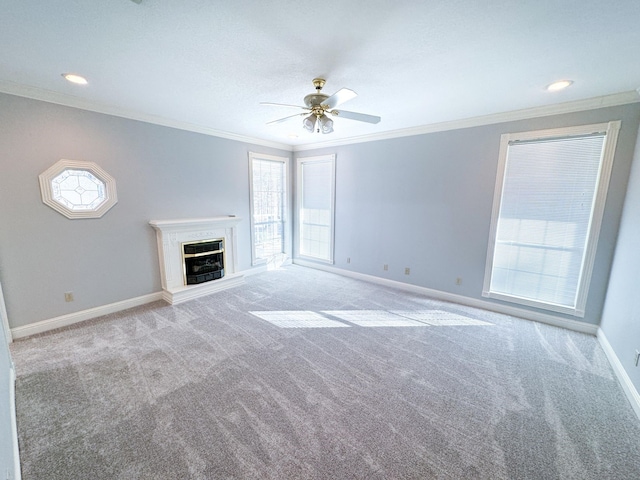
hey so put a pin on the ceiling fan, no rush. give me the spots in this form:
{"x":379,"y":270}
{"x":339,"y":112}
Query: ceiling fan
{"x":321,"y":107}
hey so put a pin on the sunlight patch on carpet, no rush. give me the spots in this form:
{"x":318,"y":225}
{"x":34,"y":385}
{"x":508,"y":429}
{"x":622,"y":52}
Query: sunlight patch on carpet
{"x":439,"y":318}
{"x":374,"y":318}
{"x":298,"y":319}
{"x":366,"y":318}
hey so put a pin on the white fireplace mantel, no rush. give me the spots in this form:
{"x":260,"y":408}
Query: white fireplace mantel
{"x":171,"y":234}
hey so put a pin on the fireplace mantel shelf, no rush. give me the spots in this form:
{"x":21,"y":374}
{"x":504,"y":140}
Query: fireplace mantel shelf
{"x":195,"y":223}
{"x":171,"y":234}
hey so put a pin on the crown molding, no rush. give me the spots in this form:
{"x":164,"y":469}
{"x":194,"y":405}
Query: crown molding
{"x":613,"y":100}
{"x":49,"y":96}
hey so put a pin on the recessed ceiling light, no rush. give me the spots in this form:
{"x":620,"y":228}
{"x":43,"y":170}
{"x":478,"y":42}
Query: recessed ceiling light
{"x":293,"y":135}
{"x":73,"y":78}
{"x":555,"y":86}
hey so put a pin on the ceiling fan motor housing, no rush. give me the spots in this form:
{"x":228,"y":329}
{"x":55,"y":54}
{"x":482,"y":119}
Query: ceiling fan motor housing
{"x":314,"y":99}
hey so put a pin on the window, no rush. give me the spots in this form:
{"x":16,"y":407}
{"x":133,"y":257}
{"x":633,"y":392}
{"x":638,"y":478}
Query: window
{"x":549,"y":200}
{"x":268,"y":206}
{"x":78,"y":189}
{"x":316,"y":184}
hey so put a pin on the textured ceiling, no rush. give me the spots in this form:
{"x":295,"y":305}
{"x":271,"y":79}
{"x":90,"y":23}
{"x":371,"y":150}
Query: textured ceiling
{"x":209,"y":63}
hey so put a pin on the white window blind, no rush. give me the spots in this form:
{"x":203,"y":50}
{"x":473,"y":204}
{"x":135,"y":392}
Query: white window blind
{"x":549,"y":201}
{"x":316,"y":187}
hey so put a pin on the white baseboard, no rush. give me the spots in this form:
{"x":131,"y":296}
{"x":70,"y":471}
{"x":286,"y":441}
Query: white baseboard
{"x":169,"y":297}
{"x":14,"y":424}
{"x":462,"y":300}
{"x":71,"y":318}
{"x":628,"y":387}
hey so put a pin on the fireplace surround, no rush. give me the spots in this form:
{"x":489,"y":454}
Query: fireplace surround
{"x":213,"y":240}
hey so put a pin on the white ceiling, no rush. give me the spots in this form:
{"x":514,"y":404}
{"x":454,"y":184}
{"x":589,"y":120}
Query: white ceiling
{"x":209,"y":63}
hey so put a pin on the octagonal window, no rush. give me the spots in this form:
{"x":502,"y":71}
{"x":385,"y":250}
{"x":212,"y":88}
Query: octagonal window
{"x":78,"y":189}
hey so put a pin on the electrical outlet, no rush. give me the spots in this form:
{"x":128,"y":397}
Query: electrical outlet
{"x":348,"y":259}
{"x":637,"y":357}
{"x":385,"y":267}
{"x":459,"y":281}
{"x":68,"y":296}
{"x":407,"y":270}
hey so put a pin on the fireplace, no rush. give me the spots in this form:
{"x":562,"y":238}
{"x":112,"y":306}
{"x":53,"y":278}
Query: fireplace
{"x":197,"y":256}
{"x":203,"y":261}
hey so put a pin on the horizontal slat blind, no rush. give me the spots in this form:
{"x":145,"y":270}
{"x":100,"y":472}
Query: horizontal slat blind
{"x":316,"y":209}
{"x":548,"y":195}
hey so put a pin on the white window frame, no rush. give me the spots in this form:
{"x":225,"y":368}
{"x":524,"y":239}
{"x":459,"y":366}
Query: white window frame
{"x":610,"y":130}
{"x":51,"y":198}
{"x":330,"y":158}
{"x":285,"y":204}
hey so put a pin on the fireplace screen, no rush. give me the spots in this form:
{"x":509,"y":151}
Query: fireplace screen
{"x":203,"y":261}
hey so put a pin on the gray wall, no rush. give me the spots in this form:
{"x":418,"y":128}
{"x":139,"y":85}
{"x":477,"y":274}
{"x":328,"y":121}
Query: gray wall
{"x":621,"y":316}
{"x":422,"y":202}
{"x":425,"y":202}
{"x":161,"y":173}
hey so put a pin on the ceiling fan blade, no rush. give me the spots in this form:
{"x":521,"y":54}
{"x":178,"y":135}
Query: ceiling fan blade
{"x":285,"y":118}
{"x":361,"y":117}
{"x":338,"y":98}
{"x":284,"y":105}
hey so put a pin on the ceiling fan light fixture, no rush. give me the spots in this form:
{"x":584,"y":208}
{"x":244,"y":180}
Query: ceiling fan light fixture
{"x":326,"y":124}
{"x":309,"y":123}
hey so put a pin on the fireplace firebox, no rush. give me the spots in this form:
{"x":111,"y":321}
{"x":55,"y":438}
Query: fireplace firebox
{"x":203,"y":261}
